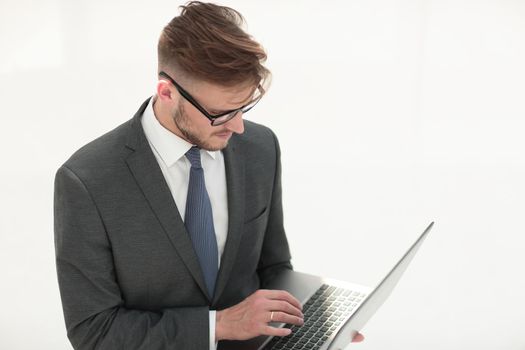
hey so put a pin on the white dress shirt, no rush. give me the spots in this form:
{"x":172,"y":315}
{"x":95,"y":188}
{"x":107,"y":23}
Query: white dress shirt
{"x":169,"y":150}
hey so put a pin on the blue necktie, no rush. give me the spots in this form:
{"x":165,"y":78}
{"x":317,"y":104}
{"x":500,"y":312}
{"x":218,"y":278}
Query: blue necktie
{"x":199,"y":221}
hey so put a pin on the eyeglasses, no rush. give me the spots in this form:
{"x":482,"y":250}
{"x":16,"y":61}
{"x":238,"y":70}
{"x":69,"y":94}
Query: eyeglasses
{"x":220,"y":118}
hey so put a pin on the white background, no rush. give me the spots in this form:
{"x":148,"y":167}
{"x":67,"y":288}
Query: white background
{"x":390,"y":114}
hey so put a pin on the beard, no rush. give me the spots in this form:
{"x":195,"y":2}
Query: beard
{"x":181,"y":120}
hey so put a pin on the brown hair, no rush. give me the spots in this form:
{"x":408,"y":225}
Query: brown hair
{"x":207,"y":42}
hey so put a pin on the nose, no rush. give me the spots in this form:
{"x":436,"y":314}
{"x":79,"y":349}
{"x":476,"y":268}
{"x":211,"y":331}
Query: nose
{"x":236,"y":124}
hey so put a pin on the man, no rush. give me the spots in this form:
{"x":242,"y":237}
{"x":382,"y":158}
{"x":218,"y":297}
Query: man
{"x":168,"y":227}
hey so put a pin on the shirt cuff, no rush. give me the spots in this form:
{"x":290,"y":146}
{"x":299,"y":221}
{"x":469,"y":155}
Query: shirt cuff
{"x":213,"y":343}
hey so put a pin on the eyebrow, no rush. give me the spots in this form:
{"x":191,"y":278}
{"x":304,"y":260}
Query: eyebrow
{"x":246,"y":102}
{"x":219,"y":111}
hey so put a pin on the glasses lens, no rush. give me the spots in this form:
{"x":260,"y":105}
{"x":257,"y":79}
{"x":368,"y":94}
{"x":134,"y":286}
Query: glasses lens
{"x":251,"y":105}
{"x":223,"y":119}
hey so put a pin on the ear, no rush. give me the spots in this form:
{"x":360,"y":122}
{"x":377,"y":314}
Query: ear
{"x":164,"y":92}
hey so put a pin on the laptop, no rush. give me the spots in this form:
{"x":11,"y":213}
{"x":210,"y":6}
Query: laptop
{"x":334,"y":311}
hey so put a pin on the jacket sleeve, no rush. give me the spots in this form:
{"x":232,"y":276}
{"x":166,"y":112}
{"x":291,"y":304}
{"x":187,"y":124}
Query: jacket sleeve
{"x":275,"y":255}
{"x":94,"y":309}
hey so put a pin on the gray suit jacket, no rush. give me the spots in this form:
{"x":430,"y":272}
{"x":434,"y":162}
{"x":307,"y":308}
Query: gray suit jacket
{"x":128,"y":275}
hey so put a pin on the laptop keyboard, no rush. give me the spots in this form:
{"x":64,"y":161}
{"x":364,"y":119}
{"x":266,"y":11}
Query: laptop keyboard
{"x":324,"y":313}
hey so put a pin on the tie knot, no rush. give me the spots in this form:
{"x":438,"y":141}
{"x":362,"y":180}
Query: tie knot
{"x":194,"y":156}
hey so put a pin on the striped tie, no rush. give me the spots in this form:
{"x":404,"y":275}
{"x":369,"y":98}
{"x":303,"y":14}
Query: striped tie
{"x":199,"y":221}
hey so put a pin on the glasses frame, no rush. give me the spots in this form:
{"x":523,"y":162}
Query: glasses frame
{"x":213,"y":117}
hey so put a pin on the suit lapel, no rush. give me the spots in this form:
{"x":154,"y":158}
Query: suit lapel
{"x":144,"y":167}
{"x":234,"y":165}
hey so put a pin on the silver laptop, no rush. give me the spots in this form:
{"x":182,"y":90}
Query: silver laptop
{"x":334,"y":311}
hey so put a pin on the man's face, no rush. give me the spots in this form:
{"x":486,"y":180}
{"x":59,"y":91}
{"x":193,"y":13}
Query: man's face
{"x":196,"y":128}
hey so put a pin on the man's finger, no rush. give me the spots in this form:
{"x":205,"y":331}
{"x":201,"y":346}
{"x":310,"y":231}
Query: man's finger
{"x":280,"y":332}
{"x":358,"y":338}
{"x":286,"y":318}
{"x":284,"y":306}
{"x":283,"y":295}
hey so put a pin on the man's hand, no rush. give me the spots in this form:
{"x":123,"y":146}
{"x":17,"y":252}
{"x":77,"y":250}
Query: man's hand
{"x":250,"y":318}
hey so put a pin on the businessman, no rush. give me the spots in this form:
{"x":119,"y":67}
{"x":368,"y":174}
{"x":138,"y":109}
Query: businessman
{"x":169,"y":227}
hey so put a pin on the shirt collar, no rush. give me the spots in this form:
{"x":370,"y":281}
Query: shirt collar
{"x":169,"y":146}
